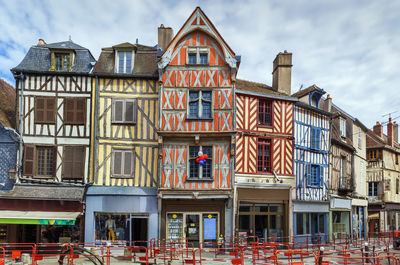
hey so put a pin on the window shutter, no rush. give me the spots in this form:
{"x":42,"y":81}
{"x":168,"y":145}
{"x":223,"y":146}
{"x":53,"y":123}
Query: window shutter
{"x":117,"y":163}
{"x":128,"y":163}
{"x":79,"y":156}
{"x":129,"y":108}
{"x":318,"y":138}
{"x":135,"y":111}
{"x":321,"y":176}
{"x":308,"y":174}
{"x":50,"y":106}
{"x":118,"y":111}
{"x":68,"y":163}
{"x":29,"y":156}
{"x":80,"y":111}
{"x":312,"y":137}
{"x":69,"y":110}
{"x":39,"y":110}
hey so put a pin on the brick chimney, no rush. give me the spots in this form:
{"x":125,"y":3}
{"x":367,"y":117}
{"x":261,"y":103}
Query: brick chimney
{"x":328,"y":103}
{"x":282,"y":73}
{"x":390,"y":132}
{"x":41,"y":42}
{"x":378,"y":129}
{"x":165,"y":36}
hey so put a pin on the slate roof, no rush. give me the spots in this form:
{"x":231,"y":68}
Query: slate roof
{"x":145,"y":61}
{"x":7,"y":104}
{"x":38,"y":58}
{"x":306,"y":91}
{"x":259,"y":89}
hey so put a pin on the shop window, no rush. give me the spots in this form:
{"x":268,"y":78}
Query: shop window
{"x":174,"y":226}
{"x":45,"y":110}
{"x":109,"y":226}
{"x":124,"y":111}
{"x":264,"y":155}
{"x":315,"y":137}
{"x":373,"y":189}
{"x":197,"y":171}
{"x":59,"y":233}
{"x":302,"y":223}
{"x":197,"y":56}
{"x":3,"y":234}
{"x":264,"y":112}
{"x":75,"y":111}
{"x":122,"y":163}
{"x":200,"y":103}
{"x":124,"y":62}
{"x":73,"y":162}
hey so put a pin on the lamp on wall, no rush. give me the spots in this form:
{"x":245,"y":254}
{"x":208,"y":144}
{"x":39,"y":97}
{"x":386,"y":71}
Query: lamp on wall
{"x":12,"y":174}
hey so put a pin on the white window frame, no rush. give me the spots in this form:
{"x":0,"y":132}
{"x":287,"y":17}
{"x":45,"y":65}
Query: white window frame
{"x":200,"y":167}
{"x":200,"y":105}
{"x":198,"y":51}
{"x":124,"y":101}
{"x":342,"y":123}
{"x":117,"y":61}
{"x":123,"y":151}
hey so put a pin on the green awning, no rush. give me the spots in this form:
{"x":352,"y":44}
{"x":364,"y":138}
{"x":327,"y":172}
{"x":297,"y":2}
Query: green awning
{"x":37,"y":221}
{"x":38,"y":217}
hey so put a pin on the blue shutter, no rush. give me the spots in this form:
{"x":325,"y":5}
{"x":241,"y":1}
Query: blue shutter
{"x":321,"y":176}
{"x":317,"y":138}
{"x":308,"y":174}
{"x":312,"y":137}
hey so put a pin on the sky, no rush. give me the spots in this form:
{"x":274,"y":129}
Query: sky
{"x":351,"y":49}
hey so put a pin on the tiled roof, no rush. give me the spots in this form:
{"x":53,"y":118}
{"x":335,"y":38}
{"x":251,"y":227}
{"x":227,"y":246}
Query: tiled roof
{"x":7,"y":104}
{"x":145,"y":61}
{"x":38,"y":58}
{"x":250,"y":86}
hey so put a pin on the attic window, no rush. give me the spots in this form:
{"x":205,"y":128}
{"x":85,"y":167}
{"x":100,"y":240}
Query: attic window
{"x":197,"y":56}
{"x":61,"y":61}
{"x":124,"y":62}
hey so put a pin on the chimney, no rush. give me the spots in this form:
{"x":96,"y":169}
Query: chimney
{"x":390,"y":132}
{"x":378,"y":129}
{"x":328,"y":103}
{"x":165,"y":36}
{"x":41,"y":42}
{"x":281,"y":75}
{"x":395,"y":132}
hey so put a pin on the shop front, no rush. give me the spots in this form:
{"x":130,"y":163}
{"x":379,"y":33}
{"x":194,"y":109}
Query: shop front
{"x":198,"y":221}
{"x":340,"y":217}
{"x":359,"y":218}
{"x":262,"y":213}
{"x":310,"y":222}
{"x":121,"y":214}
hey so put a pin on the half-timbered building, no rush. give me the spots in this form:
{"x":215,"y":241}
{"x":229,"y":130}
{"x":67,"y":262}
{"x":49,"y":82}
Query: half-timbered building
{"x":383,"y":178}
{"x":122,"y":202}
{"x":311,"y":166}
{"x":54,"y":99}
{"x":197,"y":75}
{"x":264,"y":154}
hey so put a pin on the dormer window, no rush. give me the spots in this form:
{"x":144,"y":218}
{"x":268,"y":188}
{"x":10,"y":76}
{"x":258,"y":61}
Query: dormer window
{"x":342,"y":127}
{"x":124,"y":62}
{"x":61,"y":61}
{"x":197,"y":56}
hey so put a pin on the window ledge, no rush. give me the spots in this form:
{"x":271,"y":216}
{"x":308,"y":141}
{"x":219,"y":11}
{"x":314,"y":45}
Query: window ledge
{"x":121,"y":177}
{"x":265,"y":125}
{"x":200,"y":180}
{"x":197,"y":64}
{"x":314,"y":187}
{"x":197,"y":119}
{"x":122,"y":123}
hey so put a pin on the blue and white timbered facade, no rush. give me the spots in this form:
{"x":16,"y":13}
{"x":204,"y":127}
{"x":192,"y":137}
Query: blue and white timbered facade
{"x":311,"y":166}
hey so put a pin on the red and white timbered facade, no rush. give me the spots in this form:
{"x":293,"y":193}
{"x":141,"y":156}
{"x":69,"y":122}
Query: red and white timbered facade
{"x":197,"y":74}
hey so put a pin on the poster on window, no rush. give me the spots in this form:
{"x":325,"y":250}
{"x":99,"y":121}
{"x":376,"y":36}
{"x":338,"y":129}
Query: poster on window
{"x":210,"y":228}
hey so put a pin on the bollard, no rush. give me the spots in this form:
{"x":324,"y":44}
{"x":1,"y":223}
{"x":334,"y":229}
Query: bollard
{"x":321,"y":252}
{"x":366,"y":252}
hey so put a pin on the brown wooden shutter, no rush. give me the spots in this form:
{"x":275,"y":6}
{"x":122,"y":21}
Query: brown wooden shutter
{"x":80,"y":110}
{"x":117,"y":169}
{"x":79,"y":156}
{"x":69,"y":110}
{"x":39,"y":110}
{"x":68,"y":162}
{"x":50,"y":110}
{"x":29,"y":157}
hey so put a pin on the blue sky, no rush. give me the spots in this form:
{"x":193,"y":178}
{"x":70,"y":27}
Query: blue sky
{"x":348,"y":48}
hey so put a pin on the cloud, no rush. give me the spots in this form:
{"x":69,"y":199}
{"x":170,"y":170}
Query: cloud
{"x":348,"y":48}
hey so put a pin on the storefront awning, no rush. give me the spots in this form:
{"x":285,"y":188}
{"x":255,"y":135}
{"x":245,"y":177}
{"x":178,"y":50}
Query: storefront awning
{"x":38,"y":217}
{"x":373,"y":216}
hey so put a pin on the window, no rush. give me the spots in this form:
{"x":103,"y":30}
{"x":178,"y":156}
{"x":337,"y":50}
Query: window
{"x":124,"y":59}
{"x":73,"y":162}
{"x":122,"y":163}
{"x":61,"y":62}
{"x":315,"y":137}
{"x":124,"y":111}
{"x":342,"y":127}
{"x":197,"y":56}
{"x":45,"y":110}
{"x":397,"y":158}
{"x":45,"y":161}
{"x":373,"y":189}
{"x":372,"y":154}
{"x":264,"y":112}
{"x":397,"y":186}
{"x":264,"y":155}
{"x":314,"y":176}
{"x":75,"y":110}
{"x":195,"y":170}
{"x":359,"y":138}
{"x":343,"y":171}
{"x":200,"y":104}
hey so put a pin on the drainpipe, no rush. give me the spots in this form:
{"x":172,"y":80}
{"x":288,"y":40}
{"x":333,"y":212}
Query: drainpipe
{"x":21,"y":79}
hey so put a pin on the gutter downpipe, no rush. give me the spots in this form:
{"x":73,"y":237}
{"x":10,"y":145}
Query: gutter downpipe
{"x":21,"y":79}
